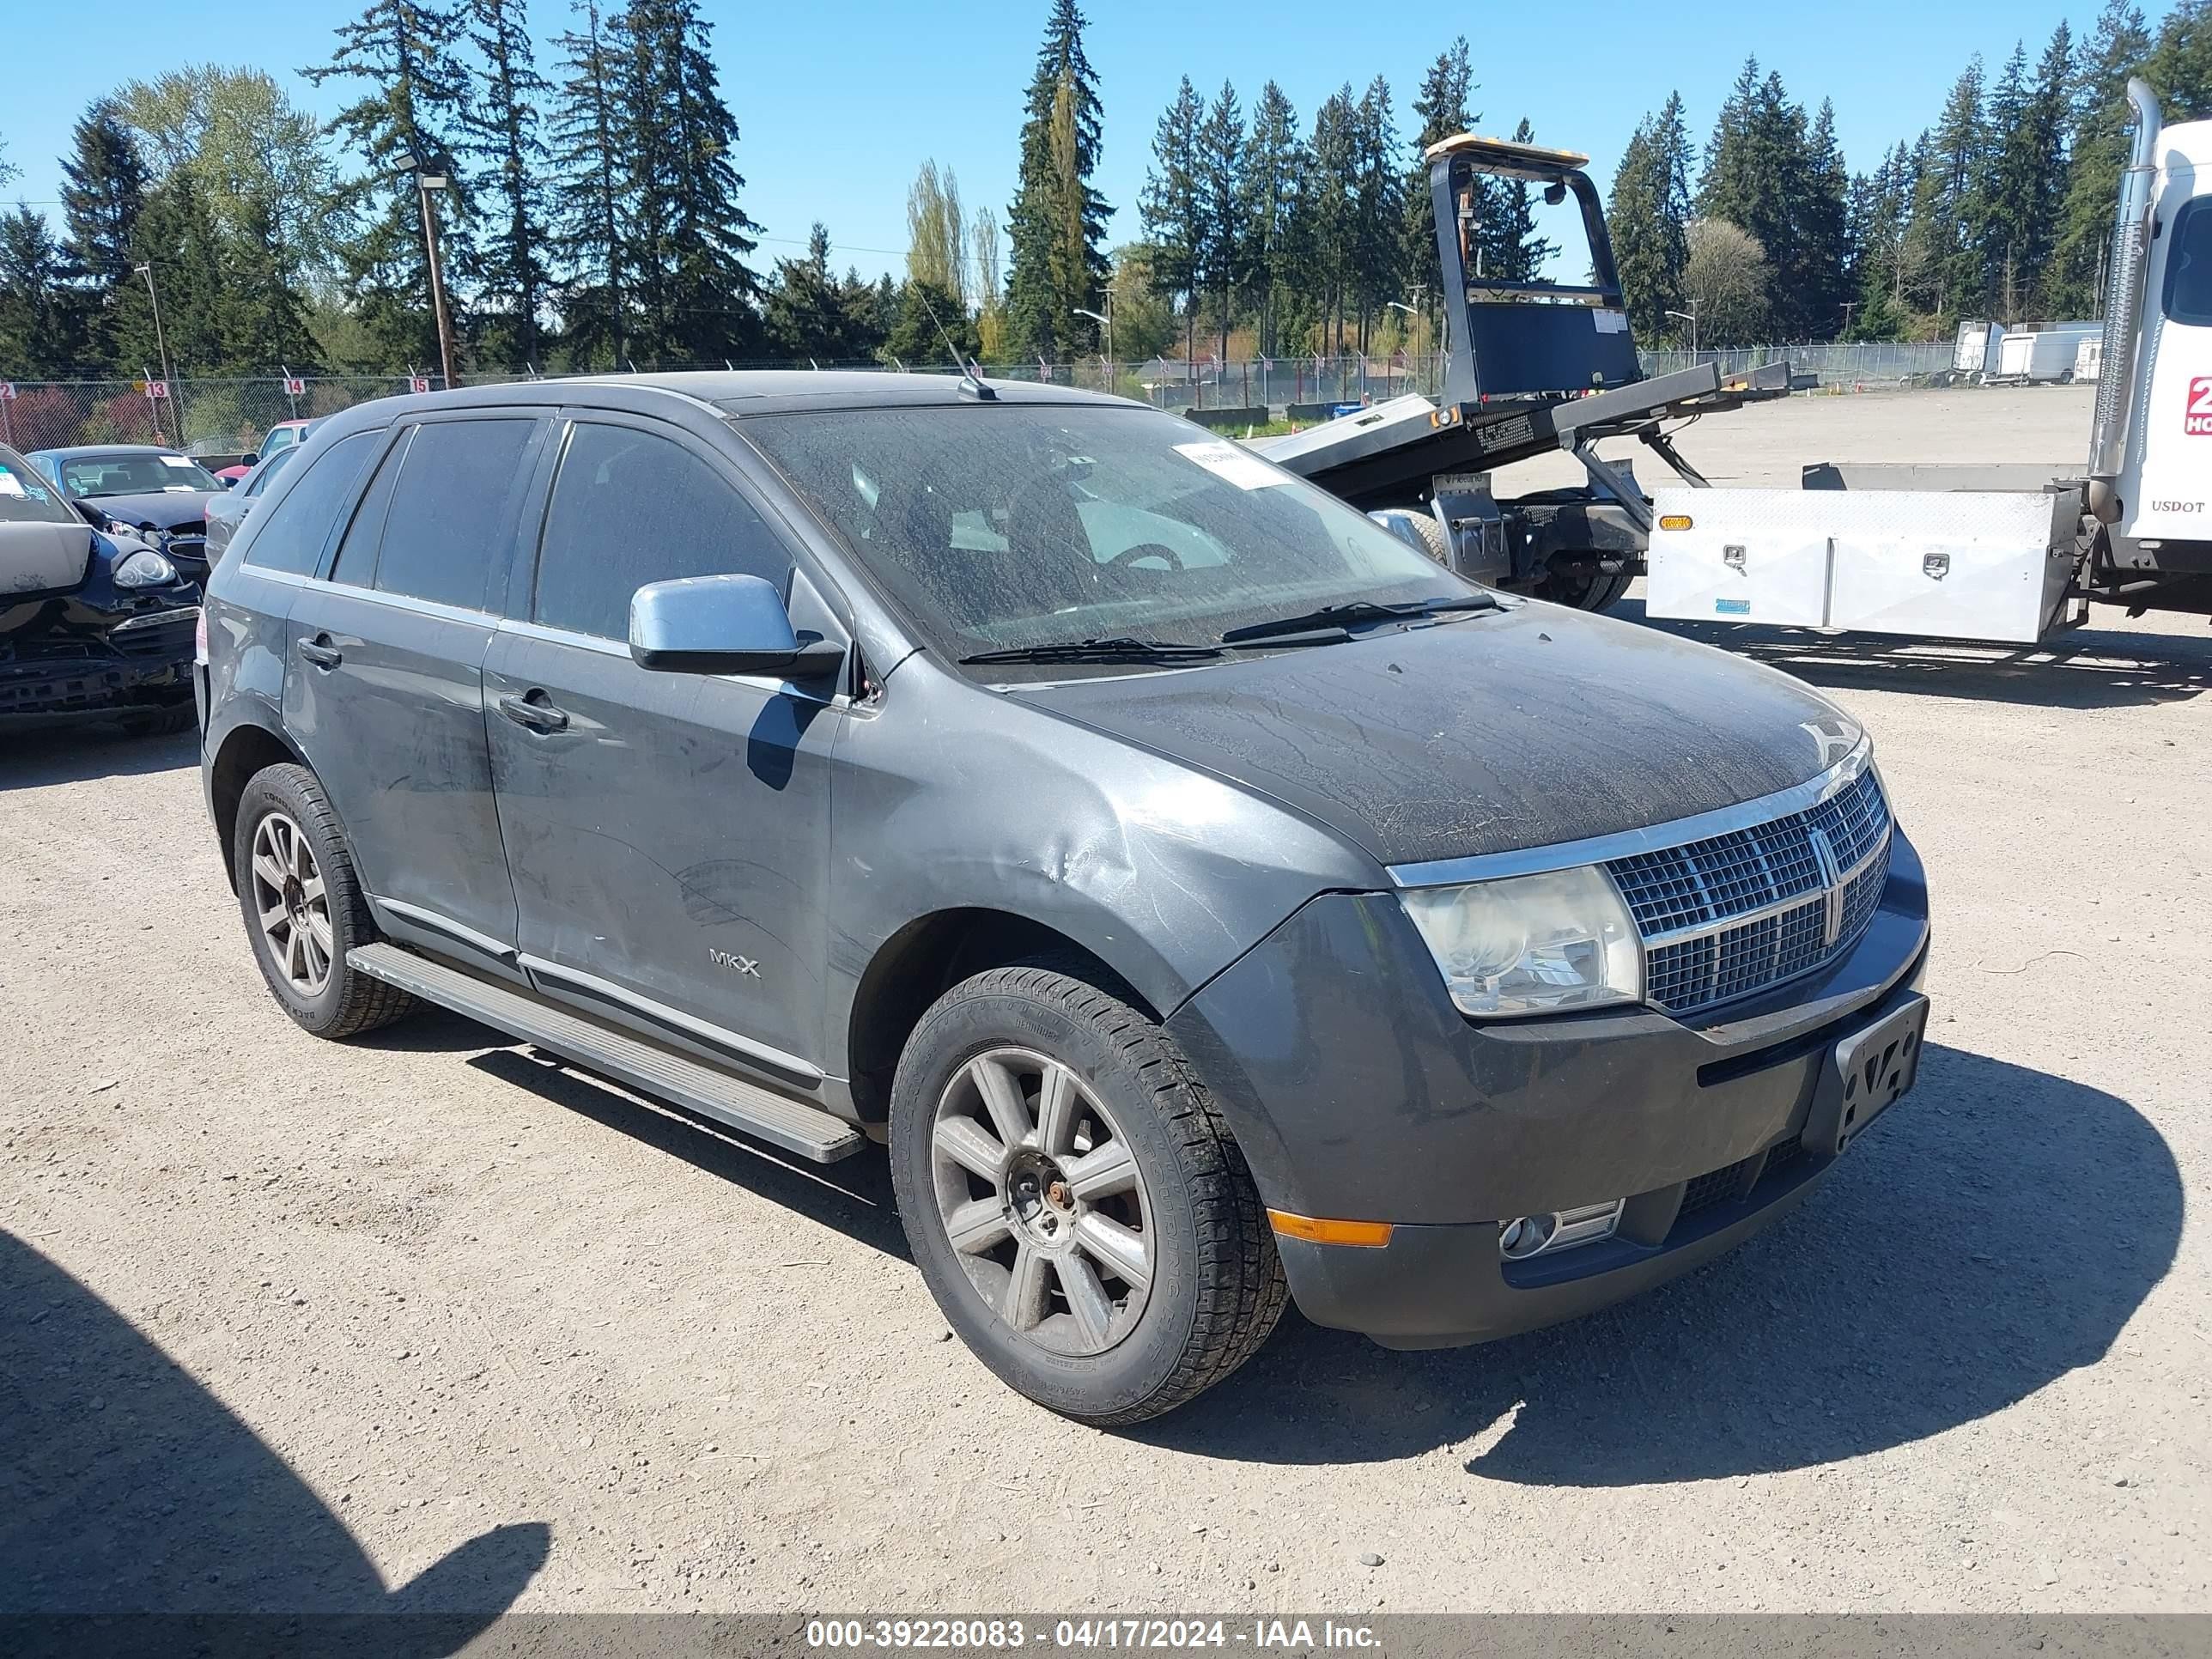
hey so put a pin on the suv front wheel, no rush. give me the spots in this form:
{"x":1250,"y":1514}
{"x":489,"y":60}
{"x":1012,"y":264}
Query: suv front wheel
{"x":1075,"y":1203}
{"x":304,"y":908}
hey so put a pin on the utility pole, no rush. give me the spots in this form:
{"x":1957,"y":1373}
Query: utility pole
{"x":161,"y":350}
{"x":1106,"y":317}
{"x":425,"y":182}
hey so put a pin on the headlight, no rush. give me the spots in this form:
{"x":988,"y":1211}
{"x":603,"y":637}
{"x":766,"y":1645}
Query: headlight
{"x":1532,"y":944}
{"x":144,"y":568}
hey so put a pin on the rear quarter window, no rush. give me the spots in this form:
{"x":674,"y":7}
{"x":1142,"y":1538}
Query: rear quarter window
{"x":446,"y":528}
{"x":290,"y":533}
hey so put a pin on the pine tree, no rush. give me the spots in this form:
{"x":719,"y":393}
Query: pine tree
{"x":1442,"y":108}
{"x":808,"y":314}
{"x":1223,"y":261}
{"x":1822,"y":231}
{"x":39,"y":334}
{"x":1330,"y":200}
{"x":2180,"y":64}
{"x":259,"y":312}
{"x":1273,"y":165}
{"x":2096,"y":152}
{"x":503,"y":132}
{"x":412,"y":113}
{"x":1379,"y":211}
{"x":1057,"y":221}
{"x":1761,"y":174}
{"x":1879,"y":204}
{"x":176,"y":235}
{"x":591,"y":162}
{"x":103,"y":189}
{"x":686,"y":237}
{"x":1512,"y":251}
{"x":1949,"y":207}
{"x":1174,"y":210}
{"x":1647,"y":218}
{"x":929,"y":311}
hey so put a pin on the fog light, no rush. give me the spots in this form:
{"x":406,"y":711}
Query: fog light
{"x":1561,"y":1230}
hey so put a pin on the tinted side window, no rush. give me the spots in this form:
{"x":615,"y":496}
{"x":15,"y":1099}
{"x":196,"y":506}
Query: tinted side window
{"x":2189,"y":266}
{"x":630,"y":508}
{"x":356,"y":564}
{"x":290,"y":534}
{"x":443,"y":534}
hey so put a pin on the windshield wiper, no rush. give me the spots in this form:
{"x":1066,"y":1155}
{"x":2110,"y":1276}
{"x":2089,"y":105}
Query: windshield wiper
{"x":1357,"y":611}
{"x":1119,"y":650}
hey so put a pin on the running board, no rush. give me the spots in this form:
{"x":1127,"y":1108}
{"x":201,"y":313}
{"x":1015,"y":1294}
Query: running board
{"x":791,"y":1125}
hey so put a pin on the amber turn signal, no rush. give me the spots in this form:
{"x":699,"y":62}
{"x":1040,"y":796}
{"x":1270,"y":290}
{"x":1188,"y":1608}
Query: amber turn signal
{"x":1673,"y":521}
{"x":1315,"y":1230}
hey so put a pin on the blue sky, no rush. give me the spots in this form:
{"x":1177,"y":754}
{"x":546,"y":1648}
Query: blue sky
{"x":838,"y":101}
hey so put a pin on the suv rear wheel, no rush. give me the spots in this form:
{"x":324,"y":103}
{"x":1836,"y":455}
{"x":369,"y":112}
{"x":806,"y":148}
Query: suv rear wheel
{"x":303,"y":908}
{"x":1075,"y":1204}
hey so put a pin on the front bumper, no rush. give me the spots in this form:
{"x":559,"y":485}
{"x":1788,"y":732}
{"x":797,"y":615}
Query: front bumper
{"x":1390,"y":1105}
{"x":143,"y":663}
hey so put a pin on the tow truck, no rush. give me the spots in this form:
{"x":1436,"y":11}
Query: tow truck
{"x":2005,"y":554}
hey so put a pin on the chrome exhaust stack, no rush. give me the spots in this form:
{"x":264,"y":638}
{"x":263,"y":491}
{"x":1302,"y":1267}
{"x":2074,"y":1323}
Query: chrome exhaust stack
{"x":2115,"y":377}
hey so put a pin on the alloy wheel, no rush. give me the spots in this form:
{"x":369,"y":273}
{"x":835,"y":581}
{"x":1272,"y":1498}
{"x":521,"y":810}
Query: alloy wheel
{"x":293,"y":908}
{"x":1043,"y":1200}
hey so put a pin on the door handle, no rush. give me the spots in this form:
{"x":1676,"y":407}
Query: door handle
{"x":320,"y":652}
{"x":534,"y":712}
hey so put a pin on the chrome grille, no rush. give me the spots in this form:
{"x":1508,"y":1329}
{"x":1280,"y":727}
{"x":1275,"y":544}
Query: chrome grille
{"x":1731,"y":914}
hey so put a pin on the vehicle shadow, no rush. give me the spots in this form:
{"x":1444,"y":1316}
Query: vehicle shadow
{"x":2088,"y":668}
{"x":75,"y":754}
{"x":853,"y":1195}
{"x":1996,"y":1231}
{"x":129,"y":1492}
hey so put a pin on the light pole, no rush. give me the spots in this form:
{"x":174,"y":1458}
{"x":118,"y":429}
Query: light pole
{"x":1414,"y":312}
{"x":1691,"y":317}
{"x":161,"y":350}
{"x":426,"y":182}
{"x":1106,"y":318}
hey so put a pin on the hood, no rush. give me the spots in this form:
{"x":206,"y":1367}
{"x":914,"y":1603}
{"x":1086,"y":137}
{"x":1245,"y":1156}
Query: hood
{"x":43,"y":558}
{"x":1503,"y":730}
{"x":164,"y":510}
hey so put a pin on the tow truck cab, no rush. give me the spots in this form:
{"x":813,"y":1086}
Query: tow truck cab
{"x":2164,"y":490}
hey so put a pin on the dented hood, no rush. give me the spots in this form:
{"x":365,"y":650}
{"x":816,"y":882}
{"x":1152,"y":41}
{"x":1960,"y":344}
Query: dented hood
{"x":43,"y":558}
{"x":1488,"y":734}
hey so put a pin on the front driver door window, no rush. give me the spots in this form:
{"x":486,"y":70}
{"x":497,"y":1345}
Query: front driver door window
{"x":667,"y":833}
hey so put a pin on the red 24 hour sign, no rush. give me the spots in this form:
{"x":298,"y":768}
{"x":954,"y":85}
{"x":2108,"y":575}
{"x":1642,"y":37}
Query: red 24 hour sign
{"x":2196,"y":417}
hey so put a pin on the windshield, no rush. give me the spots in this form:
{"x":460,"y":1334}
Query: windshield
{"x":133,"y":472}
{"x":27,"y":498}
{"x":998,"y":528}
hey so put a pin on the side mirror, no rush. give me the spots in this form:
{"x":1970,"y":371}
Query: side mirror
{"x":722,"y":625}
{"x":249,"y":460}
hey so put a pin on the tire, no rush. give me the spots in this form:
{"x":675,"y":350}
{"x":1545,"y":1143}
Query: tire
{"x":160,"y":722}
{"x":1213,"y":1286}
{"x":287,"y":840}
{"x":1434,"y":541}
{"x":1590,"y":590}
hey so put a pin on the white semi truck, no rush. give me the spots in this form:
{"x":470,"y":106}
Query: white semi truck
{"x":2004,"y":553}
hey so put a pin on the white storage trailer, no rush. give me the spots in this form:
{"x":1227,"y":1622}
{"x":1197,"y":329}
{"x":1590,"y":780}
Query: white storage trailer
{"x":2044,"y":356}
{"x":2001,"y":554}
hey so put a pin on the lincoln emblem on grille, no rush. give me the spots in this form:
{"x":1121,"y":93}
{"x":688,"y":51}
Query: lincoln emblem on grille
{"x":1831,"y":883}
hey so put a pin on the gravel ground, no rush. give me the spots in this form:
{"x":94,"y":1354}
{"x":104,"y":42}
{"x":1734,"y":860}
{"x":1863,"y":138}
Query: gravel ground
{"x":422,"y":1321}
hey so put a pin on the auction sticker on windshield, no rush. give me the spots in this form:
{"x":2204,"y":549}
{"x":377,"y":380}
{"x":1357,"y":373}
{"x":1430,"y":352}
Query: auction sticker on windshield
{"x":1227,"y":461}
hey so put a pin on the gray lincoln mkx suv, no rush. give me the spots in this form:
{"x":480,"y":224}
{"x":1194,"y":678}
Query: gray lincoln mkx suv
{"x":1208,"y":897}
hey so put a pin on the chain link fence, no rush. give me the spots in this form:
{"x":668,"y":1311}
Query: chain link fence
{"x":230,"y":418}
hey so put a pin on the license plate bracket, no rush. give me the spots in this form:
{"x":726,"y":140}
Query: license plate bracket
{"x":1866,"y":1073}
